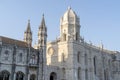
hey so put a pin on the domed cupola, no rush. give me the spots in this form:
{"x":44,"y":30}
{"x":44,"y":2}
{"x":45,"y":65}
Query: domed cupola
{"x":69,"y":26}
{"x":69,"y":17}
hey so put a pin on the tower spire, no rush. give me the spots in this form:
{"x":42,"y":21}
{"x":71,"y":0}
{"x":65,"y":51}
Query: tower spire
{"x":42,"y":40}
{"x":28,"y":34}
{"x":43,"y":22}
{"x":28,"y":27}
{"x":42,"y":33}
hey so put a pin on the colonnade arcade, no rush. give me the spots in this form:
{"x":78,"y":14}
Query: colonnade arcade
{"x":5,"y":75}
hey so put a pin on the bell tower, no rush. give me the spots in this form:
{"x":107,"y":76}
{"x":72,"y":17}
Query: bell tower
{"x":42,"y":40}
{"x":69,"y":36}
{"x":69,"y":26}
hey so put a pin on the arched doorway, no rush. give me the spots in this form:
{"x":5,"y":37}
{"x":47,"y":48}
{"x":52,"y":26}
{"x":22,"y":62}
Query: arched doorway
{"x":32,"y":77}
{"x":4,"y":75}
{"x":19,"y":76}
{"x":53,"y":76}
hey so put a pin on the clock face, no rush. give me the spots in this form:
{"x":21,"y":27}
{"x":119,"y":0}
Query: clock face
{"x":50,"y":51}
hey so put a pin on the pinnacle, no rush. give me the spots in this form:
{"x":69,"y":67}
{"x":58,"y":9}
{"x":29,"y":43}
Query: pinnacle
{"x":28,"y":20}
{"x":43,"y":21}
{"x":69,"y":7}
{"x":28,"y":26}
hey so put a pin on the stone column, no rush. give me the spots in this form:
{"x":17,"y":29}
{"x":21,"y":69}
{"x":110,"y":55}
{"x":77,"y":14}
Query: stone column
{"x":0,"y":55}
{"x":14,"y":76}
{"x":83,"y":74}
{"x":0,"y":49}
{"x":83,"y":65}
{"x":28,"y":76}
{"x":40,"y":64}
{"x":91,"y":68}
{"x":76,"y":74}
{"x":13,"y":63}
{"x":27,"y":63}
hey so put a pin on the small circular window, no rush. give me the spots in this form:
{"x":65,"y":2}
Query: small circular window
{"x":50,"y":51}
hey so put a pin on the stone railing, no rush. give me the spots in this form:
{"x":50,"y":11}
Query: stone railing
{"x":33,"y":65}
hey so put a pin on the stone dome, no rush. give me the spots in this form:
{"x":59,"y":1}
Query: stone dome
{"x":69,"y":17}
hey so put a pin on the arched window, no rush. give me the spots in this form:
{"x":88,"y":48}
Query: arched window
{"x":33,"y":59}
{"x":32,"y":77}
{"x":4,"y":75}
{"x":19,"y":76}
{"x":6,"y":55}
{"x":20,"y":57}
{"x":78,"y":57}
{"x":79,"y":73}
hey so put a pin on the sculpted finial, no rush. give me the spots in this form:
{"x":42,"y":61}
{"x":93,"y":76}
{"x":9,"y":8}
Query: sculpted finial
{"x":28,"y":20}
{"x":69,"y":7}
{"x":43,"y":15}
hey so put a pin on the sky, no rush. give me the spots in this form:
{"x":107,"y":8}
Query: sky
{"x":99,"y":19}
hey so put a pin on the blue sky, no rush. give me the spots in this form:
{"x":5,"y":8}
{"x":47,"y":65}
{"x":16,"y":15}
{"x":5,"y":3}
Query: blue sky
{"x":99,"y":19}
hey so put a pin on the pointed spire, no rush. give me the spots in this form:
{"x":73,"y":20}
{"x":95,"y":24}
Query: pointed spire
{"x":28,"y":34}
{"x":42,"y":33}
{"x":28,"y":27}
{"x":43,"y":22}
{"x":42,"y":25}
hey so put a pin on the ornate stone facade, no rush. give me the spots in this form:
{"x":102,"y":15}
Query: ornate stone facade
{"x":19,"y":60}
{"x":67,"y":58}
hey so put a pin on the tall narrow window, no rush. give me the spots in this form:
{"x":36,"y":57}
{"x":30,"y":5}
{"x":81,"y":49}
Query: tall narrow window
{"x":64,"y":73}
{"x":79,"y":74}
{"x":78,"y":57}
{"x":64,"y":37}
{"x":105,"y":75}
{"x":6,"y":55}
{"x":20,"y":57}
{"x":86,"y":74}
{"x":63,"y":57}
{"x":109,"y":63}
{"x":94,"y":61}
{"x":76,"y":36}
{"x":86,"y":63}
